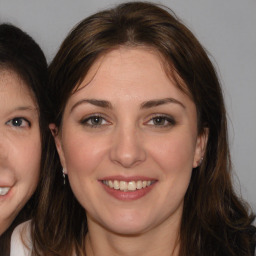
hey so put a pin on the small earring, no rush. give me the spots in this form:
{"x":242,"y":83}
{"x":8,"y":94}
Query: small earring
{"x":200,"y":161}
{"x":64,"y":176}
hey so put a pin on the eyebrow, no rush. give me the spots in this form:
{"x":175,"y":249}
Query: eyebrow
{"x":98,"y":103}
{"x":24,"y":108}
{"x":159,"y":102}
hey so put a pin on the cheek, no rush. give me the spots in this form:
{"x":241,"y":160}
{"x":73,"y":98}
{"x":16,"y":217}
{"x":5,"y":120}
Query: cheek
{"x":26,"y":156}
{"x":174,"y":153}
{"x":174,"y":157}
{"x":30,"y":158}
{"x":83,"y":155}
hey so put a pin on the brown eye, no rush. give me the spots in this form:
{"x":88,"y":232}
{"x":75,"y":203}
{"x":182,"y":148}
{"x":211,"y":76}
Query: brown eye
{"x":97,"y":120}
{"x":94,"y":121}
{"x":161,"y":121}
{"x":18,"y":122}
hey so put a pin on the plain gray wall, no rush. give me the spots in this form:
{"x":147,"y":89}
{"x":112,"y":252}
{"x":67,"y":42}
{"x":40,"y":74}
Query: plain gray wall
{"x":226,"y":28}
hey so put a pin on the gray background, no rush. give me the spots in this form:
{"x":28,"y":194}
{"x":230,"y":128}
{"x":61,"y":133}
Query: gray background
{"x":226,"y":28}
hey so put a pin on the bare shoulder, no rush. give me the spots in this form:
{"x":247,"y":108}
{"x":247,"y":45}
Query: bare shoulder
{"x":21,"y":240}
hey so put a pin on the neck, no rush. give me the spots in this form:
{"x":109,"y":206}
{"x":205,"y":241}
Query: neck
{"x":4,"y":225}
{"x":163,"y":240}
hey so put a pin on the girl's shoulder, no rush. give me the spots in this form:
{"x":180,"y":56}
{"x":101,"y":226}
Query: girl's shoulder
{"x":21,"y":240}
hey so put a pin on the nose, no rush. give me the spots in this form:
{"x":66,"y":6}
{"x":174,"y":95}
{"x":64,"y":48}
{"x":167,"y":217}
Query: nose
{"x":127,"y":148}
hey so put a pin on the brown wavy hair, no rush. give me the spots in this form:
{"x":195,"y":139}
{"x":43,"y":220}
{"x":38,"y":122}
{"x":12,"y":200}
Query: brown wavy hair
{"x":21,"y":54}
{"x":215,"y":220}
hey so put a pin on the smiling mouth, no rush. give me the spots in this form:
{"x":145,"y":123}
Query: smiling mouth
{"x":127,"y":186}
{"x":4,"y":190}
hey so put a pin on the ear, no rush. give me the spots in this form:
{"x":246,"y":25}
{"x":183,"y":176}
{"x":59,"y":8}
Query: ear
{"x":201,"y":143}
{"x":57,"y":138}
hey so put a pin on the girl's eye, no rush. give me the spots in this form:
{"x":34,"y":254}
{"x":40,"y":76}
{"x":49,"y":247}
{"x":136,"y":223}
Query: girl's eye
{"x":19,"y":122}
{"x":94,"y":121}
{"x":161,"y":121}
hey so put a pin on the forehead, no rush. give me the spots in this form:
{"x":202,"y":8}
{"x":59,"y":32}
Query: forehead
{"x":121,"y":54}
{"x":12,"y":85}
{"x":130,"y":65}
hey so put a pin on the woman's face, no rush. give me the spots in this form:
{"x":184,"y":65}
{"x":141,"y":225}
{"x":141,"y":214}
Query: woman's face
{"x":20,"y":146}
{"x":129,"y":142}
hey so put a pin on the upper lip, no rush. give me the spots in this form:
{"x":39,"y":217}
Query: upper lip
{"x":128,"y":178}
{"x":6,"y":183}
{"x":5,"y":186}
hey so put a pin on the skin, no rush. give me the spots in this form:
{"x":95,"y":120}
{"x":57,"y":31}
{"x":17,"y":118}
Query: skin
{"x":20,"y":146}
{"x":128,"y":140}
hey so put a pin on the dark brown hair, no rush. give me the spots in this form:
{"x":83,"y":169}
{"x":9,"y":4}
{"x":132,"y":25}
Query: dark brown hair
{"x":21,"y":54}
{"x":215,"y":221}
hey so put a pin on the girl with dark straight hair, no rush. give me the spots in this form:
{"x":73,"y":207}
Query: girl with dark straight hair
{"x":24,"y":109}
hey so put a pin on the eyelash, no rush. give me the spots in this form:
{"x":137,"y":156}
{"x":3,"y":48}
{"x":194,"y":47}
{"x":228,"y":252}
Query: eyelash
{"x":18,"y":119}
{"x":170,"y":121}
{"x":88,"y":121}
{"x":90,"y":118}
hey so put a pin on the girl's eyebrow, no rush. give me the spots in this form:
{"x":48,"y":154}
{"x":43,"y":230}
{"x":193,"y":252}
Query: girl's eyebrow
{"x":158,"y":102}
{"x":98,"y":103}
{"x":146,"y":104}
{"x":24,"y":108}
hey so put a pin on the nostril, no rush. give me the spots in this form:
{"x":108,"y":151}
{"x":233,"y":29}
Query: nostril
{"x":128,"y":159}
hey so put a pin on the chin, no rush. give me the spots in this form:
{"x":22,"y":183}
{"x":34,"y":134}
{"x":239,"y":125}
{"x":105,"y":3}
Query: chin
{"x":127,"y":230}
{"x":128,"y":225}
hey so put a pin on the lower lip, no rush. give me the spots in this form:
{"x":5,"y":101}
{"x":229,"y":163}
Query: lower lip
{"x":6,"y":196}
{"x":129,"y":195}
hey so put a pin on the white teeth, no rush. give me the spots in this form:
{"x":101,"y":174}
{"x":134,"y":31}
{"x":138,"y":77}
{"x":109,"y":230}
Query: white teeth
{"x":127,"y":186}
{"x":116,"y":184}
{"x":132,"y":185}
{"x":139,"y":184}
{"x":123,"y":185}
{"x":110,"y":184}
{"x":4,"y":191}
